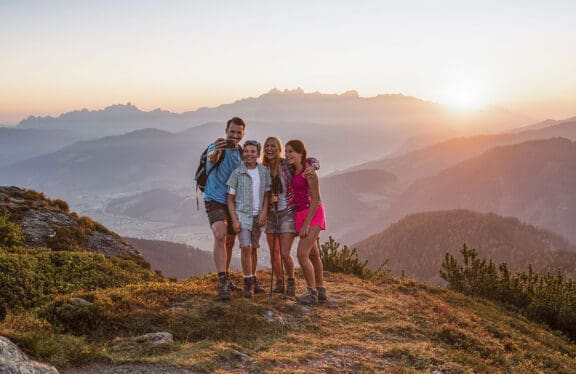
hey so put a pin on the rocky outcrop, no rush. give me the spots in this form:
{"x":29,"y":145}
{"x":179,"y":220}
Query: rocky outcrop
{"x":14,"y":361}
{"x":44,"y":222}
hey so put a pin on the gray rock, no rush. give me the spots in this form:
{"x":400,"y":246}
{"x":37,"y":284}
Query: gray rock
{"x":155,"y":338}
{"x":14,"y":361}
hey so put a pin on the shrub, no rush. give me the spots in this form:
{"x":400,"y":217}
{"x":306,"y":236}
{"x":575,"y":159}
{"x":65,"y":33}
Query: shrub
{"x":544,"y":298}
{"x":346,"y":261}
{"x":67,"y":238}
{"x":62,"y":205}
{"x":11,"y":234}
{"x":32,"y":278}
{"x":34,"y":195}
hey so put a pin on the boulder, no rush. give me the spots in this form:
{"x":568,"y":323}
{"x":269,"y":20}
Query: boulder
{"x":14,"y":361}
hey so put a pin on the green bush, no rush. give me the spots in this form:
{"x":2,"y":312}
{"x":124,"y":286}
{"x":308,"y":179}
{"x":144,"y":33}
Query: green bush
{"x":31,"y":278}
{"x":68,"y":238}
{"x":11,"y":234}
{"x":346,"y":261}
{"x":544,"y":298}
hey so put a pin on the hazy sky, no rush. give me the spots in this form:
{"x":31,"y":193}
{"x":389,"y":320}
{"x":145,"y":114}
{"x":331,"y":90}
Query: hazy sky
{"x":57,"y":56}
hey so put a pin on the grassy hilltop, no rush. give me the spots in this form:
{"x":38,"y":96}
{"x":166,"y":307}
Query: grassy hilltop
{"x":396,"y":326}
{"x":71,"y":306}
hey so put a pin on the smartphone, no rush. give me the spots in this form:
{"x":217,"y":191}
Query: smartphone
{"x":230,"y":143}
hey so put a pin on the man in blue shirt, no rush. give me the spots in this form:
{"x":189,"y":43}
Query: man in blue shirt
{"x":215,"y":198}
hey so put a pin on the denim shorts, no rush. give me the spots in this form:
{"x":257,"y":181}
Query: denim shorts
{"x":286,"y":222}
{"x":247,"y":238}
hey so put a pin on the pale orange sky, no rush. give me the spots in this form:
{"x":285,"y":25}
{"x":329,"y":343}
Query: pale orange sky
{"x":180,"y":55}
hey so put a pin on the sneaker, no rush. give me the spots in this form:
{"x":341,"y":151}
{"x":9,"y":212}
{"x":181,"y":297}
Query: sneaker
{"x":257,"y":287}
{"x":322,"y":297}
{"x":279,"y":286}
{"x":223,"y":289}
{"x":231,"y":284}
{"x":291,"y":287}
{"x":248,"y":287}
{"x":309,"y":297}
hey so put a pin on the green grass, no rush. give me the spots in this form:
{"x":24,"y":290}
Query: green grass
{"x":396,"y":326}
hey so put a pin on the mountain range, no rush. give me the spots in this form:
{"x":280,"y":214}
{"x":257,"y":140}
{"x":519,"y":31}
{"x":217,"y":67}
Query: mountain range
{"x":533,"y":181}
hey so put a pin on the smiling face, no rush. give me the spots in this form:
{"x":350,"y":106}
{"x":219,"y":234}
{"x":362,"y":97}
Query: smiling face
{"x":293,"y":157}
{"x":235,"y":132}
{"x":272,"y":149}
{"x":250,"y":154}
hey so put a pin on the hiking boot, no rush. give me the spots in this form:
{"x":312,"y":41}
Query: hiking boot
{"x":322,"y":297}
{"x":310,"y":297}
{"x":291,"y":287}
{"x":248,"y":287}
{"x":223,"y":289}
{"x":279,"y":286}
{"x":231,"y":284}
{"x":257,"y":287}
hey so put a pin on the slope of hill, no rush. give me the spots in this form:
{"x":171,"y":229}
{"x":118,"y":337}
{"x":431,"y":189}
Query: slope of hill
{"x":20,"y":144}
{"x":430,"y":160}
{"x":175,"y":259}
{"x":392,"y":326}
{"x":45,"y":250}
{"x":417,"y":243}
{"x":150,"y":158}
{"x":533,"y":181}
{"x":365,"y":191}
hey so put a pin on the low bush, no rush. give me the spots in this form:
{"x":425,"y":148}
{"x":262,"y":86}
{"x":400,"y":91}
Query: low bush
{"x":346,"y":261}
{"x":11,"y":234}
{"x":544,"y":298}
{"x":31,"y":278}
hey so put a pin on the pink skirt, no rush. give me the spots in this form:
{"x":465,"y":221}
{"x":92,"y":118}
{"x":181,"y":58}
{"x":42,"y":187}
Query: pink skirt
{"x":318,"y":219}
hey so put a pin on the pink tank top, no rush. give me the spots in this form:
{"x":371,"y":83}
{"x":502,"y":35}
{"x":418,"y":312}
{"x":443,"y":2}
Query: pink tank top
{"x":302,"y":196}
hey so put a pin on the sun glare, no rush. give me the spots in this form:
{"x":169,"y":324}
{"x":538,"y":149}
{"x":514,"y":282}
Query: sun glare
{"x":466,"y":95}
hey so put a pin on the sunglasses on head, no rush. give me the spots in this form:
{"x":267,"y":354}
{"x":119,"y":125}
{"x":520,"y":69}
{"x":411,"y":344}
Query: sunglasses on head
{"x":253,"y":142}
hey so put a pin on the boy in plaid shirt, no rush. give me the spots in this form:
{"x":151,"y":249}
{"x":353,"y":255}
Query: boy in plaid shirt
{"x":248,"y":189}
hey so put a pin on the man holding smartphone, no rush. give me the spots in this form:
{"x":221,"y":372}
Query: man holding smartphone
{"x":224,"y":156}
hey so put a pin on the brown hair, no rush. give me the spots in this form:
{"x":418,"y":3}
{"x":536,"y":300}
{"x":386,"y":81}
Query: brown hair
{"x":299,"y":147}
{"x":237,"y":121}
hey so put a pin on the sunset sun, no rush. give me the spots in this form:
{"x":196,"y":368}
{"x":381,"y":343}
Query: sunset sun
{"x":466,"y":94}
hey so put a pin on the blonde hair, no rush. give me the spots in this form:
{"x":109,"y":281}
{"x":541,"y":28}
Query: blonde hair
{"x":265,"y":161}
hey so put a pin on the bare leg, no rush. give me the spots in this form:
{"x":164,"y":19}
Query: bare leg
{"x":274,"y":246}
{"x":230,"y":238}
{"x":219,"y":229}
{"x":318,"y":266}
{"x":246,"y":257}
{"x":305,"y":247}
{"x":286,"y":240}
{"x":254,"y":260}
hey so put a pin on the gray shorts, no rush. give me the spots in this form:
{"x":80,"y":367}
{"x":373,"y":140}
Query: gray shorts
{"x":250,"y":238}
{"x":286,"y":222}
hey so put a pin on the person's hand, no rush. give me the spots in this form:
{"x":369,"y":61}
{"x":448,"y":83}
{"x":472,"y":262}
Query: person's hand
{"x":236,"y":226}
{"x":305,"y":230}
{"x":262,"y":219}
{"x":310,"y":171}
{"x":274,"y":199}
{"x":220,"y":144}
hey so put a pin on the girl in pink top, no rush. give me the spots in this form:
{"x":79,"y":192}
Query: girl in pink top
{"x":309,"y":222}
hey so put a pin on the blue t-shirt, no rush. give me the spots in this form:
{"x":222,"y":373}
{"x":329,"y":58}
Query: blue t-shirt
{"x":216,"y":188}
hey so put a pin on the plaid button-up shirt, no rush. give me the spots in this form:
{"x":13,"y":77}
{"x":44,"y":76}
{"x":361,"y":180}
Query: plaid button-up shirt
{"x":241,"y":182}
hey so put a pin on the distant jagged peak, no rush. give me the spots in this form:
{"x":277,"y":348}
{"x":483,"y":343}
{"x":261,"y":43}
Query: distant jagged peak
{"x":276,"y":92}
{"x":128,"y":107}
{"x":351,"y":93}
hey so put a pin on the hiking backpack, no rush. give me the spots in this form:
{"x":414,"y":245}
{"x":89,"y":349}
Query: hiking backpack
{"x":201,"y":176}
